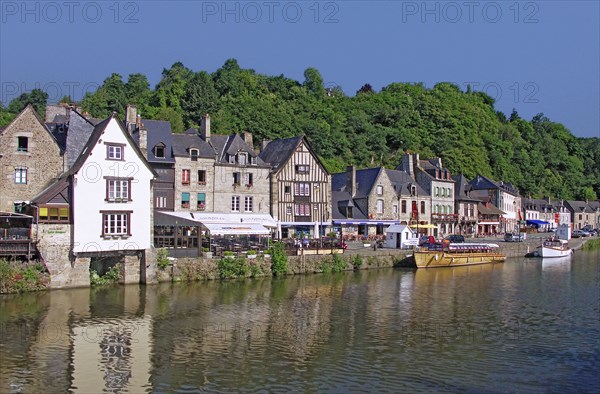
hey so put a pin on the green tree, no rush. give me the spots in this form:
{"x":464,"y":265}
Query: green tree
{"x":37,"y":98}
{"x":313,"y":82}
{"x":172,"y":116}
{"x":200,"y":98}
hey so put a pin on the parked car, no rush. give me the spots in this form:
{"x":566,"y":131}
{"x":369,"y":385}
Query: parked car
{"x":514,"y":237}
{"x":424,"y":240}
{"x":455,"y":238}
{"x":579,"y":233}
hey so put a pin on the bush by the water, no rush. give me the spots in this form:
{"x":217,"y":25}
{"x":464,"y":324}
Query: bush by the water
{"x":16,"y":277}
{"x":112,"y":276}
{"x":335,"y":264}
{"x":279,"y":260}
{"x":231,"y":268}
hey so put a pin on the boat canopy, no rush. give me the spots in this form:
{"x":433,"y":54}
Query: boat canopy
{"x":536,"y":222}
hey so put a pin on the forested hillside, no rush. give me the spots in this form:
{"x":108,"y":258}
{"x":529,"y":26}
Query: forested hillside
{"x":371,"y":128}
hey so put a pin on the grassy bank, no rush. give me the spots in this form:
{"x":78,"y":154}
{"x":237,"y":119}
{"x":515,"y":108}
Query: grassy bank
{"x":592,"y":244}
{"x":17,"y":277}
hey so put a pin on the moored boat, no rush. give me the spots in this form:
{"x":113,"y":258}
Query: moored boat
{"x":458,"y":254}
{"x":554,"y":248}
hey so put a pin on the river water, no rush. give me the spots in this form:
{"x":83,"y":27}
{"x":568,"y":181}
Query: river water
{"x":523,"y":326}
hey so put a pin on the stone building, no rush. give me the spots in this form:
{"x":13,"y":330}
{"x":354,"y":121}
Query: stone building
{"x":503,"y":196}
{"x":438,"y":183}
{"x":30,"y":158}
{"x":367,"y":201}
{"x":465,"y":206}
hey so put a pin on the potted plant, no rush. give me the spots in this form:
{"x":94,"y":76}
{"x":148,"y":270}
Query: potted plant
{"x":206,"y":253}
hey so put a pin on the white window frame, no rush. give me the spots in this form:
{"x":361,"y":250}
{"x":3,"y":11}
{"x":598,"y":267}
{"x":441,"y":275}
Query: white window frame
{"x":379,"y":206}
{"x":235,"y":203}
{"x":114,"y":152}
{"x":379,"y":190}
{"x":21,"y":175}
{"x":248,"y":203}
{"x":118,"y":189}
{"x":116,"y":223}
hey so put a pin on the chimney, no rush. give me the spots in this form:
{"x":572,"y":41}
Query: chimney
{"x":205,"y":128}
{"x":352,"y":170}
{"x":265,"y":142}
{"x":247,"y":136}
{"x":131,"y":117}
{"x":143,"y":142}
{"x":407,"y":164}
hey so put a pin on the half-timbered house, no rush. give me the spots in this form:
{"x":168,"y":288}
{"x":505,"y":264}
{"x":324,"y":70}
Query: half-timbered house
{"x":300,"y":187}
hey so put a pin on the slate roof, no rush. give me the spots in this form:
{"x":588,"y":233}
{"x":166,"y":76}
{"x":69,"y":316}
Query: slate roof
{"x":342,"y":199}
{"x":461,"y":188}
{"x":158,"y":131}
{"x":402,"y":182}
{"x":579,"y":206}
{"x":489,"y":210}
{"x":78,"y":133}
{"x":52,"y":190}
{"x":277,"y":152}
{"x":365,"y":178}
{"x":481,"y":182}
{"x":225,"y":145}
{"x":183,"y":142}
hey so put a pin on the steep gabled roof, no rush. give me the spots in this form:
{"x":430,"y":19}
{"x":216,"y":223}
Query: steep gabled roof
{"x":56,"y":192}
{"x":462,"y":188}
{"x":402,"y":182}
{"x":78,"y":132}
{"x":93,"y":140}
{"x":579,"y":206}
{"x":29,"y":108}
{"x":481,"y":182}
{"x":278,"y":152}
{"x":365,"y":179}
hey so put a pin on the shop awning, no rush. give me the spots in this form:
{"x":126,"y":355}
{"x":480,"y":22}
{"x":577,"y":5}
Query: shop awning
{"x":236,"y":229}
{"x":364,"y":221}
{"x":537,"y":222}
{"x":423,"y":226}
{"x":218,"y":223}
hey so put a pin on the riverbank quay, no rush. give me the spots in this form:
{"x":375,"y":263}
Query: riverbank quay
{"x":356,"y":257}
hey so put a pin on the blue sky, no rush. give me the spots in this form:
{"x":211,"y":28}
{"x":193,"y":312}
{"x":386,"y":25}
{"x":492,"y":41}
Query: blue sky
{"x":535,"y":56}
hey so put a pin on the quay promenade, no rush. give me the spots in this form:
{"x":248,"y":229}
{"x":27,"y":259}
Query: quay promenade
{"x":511,"y":249}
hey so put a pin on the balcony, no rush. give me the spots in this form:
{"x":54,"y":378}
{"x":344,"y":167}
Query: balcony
{"x":444,"y":217}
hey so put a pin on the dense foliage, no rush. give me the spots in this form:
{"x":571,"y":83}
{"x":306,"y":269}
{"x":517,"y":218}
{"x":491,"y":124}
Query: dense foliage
{"x":372,"y":128}
{"x":279,"y":260}
{"x":17,"y":277}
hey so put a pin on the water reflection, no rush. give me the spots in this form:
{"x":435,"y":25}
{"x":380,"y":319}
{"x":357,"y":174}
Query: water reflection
{"x":525,"y":325}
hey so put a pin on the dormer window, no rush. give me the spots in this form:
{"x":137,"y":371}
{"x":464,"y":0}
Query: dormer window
{"x":253,"y":161}
{"x":413,"y":190}
{"x":231,"y":159}
{"x":242,"y":159}
{"x":194,"y":154}
{"x":159,"y":151}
